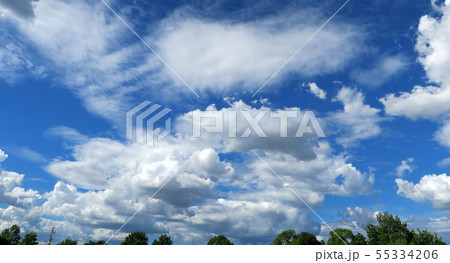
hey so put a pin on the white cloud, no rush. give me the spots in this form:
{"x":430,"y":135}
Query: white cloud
{"x":250,"y":221}
{"x":444,"y":163}
{"x":385,"y":69}
{"x":10,"y":191}
{"x":358,"y":121}
{"x":437,"y":221}
{"x":29,"y":155}
{"x":443,"y":135}
{"x":433,"y":188}
{"x":120,"y":176}
{"x":361,"y":215}
{"x":432,"y":45}
{"x":299,"y":147}
{"x":68,"y":134}
{"x":3,"y":155}
{"x":353,"y":218}
{"x":422,"y":102}
{"x":83,"y":44}
{"x":316,"y":91}
{"x":106,"y":181}
{"x":312,"y":179}
{"x":14,"y":61}
{"x":219,"y":55}
{"x":434,"y":53}
{"x":404,"y":167}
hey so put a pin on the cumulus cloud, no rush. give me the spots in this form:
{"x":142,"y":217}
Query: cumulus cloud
{"x":21,"y":8}
{"x":251,"y":222}
{"x":432,"y":188}
{"x":405,"y":167}
{"x":3,"y":155}
{"x":120,"y":176}
{"x":353,"y":218}
{"x":106,"y":181}
{"x":422,"y":102}
{"x":10,"y":191}
{"x":312,"y":179}
{"x":358,"y":121}
{"x":361,"y":215}
{"x":432,"y":101}
{"x":269,"y":138}
{"x":316,"y":91}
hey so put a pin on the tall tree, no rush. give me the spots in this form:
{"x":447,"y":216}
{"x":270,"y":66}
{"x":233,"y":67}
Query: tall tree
{"x":424,"y":237}
{"x":220,"y":240}
{"x":284,"y":238}
{"x":289,"y":237}
{"x":358,"y":239}
{"x":305,"y":238}
{"x":68,"y":241}
{"x":163,"y":240}
{"x":389,"y":231}
{"x":136,"y":238}
{"x":340,"y":236}
{"x":100,"y":242}
{"x":29,"y":239}
{"x":12,"y":235}
{"x":4,"y":241}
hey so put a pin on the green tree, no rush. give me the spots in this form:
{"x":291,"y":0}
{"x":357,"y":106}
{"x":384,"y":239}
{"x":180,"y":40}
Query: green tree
{"x":68,"y":241}
{"x":4,"y":241}
{"x":358,"y":239}
{"x":100,"y":242}
{"x":340,"y":236}
{"x":389,"y":231}
{"x":220,"y":240}
{"x":305,"y":238}
{"x":163,"y":240}
{"x":29,"y":239}
{"x":424,"y":237}
{"x":284,"y":238}
{"x":289,"y":237}
{"x":12,"y":235}
{"x":136,"y":238}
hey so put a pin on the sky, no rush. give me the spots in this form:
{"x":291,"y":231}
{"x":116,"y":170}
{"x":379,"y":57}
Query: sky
{"x":376,"y":77}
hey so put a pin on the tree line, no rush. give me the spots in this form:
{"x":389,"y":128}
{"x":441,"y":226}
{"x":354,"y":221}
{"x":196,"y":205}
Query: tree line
{"x":389,"y":230}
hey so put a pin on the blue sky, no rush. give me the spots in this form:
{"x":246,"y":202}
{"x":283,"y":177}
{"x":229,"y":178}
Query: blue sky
{"x":70,"y":70}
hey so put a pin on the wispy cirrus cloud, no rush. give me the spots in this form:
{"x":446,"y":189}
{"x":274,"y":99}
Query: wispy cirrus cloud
{"x":83,"y":44}
{"x":386,"y":68}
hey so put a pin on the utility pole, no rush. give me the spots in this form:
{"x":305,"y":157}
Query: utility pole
{"x":50,"y":239}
